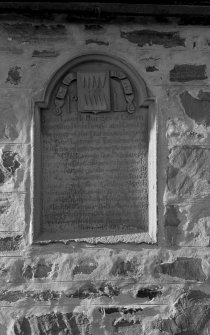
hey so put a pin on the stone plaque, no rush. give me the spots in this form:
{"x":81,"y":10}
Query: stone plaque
{"x":94,"y":155}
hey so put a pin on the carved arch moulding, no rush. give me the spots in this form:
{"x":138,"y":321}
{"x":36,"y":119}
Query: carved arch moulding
{"x":94,"y":155}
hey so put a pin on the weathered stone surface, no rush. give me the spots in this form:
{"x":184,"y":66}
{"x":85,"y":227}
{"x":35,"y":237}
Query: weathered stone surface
{"x":151,"y":63}
{"x":13,"y":50}
{"x":14,"y":76}
{"x":197,"y":109}
{"x":98,"y":42}
{"x":14,"y":167}
{"x":28,"y":273}
{"x":203,"y":95}
{"x":27,"y":31}
{"x":188,"y":72}
{"x":194,"y":223}
{"x":91,"y":290}
{"x":185,"y":132}
{"x":188,"y":173}
{"x":172,"y":222}
{"x":9,"y":161}
{"x":3,"y":329}
{"x":42,"y":270}
{"x":111,"y":310}
{"x":186,"y":268}
{"x":9,"y":164}
{"x":181,"y":129}
{"x":45,"y":53}
{"x":125,"y":327}
{"x":39,"y":270}
{"x":11,"y":296}
{"x":171,"y":217}
{"x":84,"y":291}
{"x":47,"y":295}
{"x":10,"y":243}
{"x":85,"y":266}
{"x":191,"y":317}
{"x":22,"y":327}
{"x":14,"y":296}
{"x":128,"y":321}
{"x":150,"y":37}
{"x":8,"y":128}
{"x":53,"y":323}
{"x":188,"y":314}
{"x":14,"y":116}
{"x":12,"y":216}
{"x":123,"y":268}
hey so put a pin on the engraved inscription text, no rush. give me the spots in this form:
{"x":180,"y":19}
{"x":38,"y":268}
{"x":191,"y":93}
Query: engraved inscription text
{"x":95,"y":172}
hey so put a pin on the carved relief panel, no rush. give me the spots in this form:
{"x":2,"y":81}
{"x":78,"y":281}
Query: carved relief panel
{"x":95,"y":139}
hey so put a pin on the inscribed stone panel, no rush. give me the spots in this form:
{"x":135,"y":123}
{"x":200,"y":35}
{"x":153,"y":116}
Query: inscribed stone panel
{"x":94,"y":155}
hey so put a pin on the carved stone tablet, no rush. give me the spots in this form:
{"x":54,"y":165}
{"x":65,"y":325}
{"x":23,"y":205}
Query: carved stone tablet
{"x":95,"y":141}
{"x":93,"y":92}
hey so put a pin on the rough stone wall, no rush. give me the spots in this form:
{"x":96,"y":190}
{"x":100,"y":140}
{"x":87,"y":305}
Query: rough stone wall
{"x":122,"y":289}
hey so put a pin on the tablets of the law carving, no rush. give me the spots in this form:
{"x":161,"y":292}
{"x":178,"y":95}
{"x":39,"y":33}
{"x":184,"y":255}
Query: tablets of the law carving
{"x":94,"y":153}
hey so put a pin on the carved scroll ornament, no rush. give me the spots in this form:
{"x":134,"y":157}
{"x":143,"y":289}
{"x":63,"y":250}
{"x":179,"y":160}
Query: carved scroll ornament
{"x":93,"y":91}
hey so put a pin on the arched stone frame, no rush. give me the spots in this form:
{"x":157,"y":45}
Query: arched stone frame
{"x":144,"y":99}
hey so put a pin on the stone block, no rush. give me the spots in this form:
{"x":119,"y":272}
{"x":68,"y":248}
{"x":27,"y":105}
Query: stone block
{"x":15,"y":116}
{"x":188,"y":173}
{"x":14,"y":167}
{"x":10,"y":243}
{"x":12,"y":212}
{"x":188,"y":72}
{"x":186,"y":268}
{"x":153,"y":37}
{"x":197,"y":108}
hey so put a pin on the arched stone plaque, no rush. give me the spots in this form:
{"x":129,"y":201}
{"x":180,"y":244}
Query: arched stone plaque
{"x":92,"y":155}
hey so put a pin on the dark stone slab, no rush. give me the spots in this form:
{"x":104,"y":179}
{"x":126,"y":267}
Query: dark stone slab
{"x":188,"y":72}
{"x":185,"y":268}
{"x":10,"y":243}
{"x":150,"y":37}
{"x":44,"y":53}
{"x":149,"y":293}
{"x":94,"y":41}
{"x":197,"y":109}
{"x":151,"y":69}
{"x":172,"y":222}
